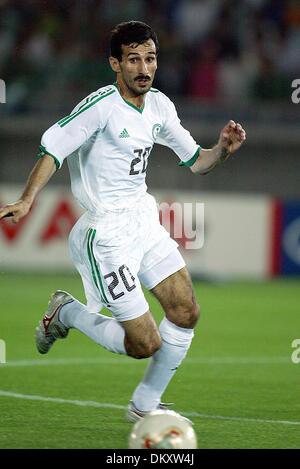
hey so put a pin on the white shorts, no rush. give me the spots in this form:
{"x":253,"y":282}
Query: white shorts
{"x":117,"y":252}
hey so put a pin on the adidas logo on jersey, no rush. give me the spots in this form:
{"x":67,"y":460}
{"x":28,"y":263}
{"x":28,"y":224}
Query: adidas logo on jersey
{"x":124,"y":134}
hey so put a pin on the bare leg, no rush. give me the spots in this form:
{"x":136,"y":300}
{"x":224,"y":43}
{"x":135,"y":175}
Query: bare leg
{"x":142,"y":337}
{"x":175,"y":294}
{"x":177,"y":298}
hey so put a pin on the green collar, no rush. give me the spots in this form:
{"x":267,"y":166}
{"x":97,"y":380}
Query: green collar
{"x":139,"y":109}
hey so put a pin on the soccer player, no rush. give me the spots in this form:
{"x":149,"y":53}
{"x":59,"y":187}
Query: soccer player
{"x":118,"y":243}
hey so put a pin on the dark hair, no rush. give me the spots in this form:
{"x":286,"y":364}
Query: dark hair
{"x":130,"y":32}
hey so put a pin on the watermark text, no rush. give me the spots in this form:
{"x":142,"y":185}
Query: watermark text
{"x":2,"y":91}
{"x":2,"y":351}
{"x":184,"y":222}
{"x":296,"y":353}
{"x":296,"y":93}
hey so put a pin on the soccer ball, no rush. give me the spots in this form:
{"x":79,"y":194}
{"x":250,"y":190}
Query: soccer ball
{"x":163,"y":429}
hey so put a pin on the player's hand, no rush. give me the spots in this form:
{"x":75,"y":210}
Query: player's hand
{"x":16,"y":211}
{"x":232,"y":136}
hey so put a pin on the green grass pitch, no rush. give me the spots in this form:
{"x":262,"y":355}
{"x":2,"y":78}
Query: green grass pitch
{"x":238,"y":382}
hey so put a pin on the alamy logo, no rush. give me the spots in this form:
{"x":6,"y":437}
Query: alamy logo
{"x":296,"y":353}
{"x":124,"y":134}
{"x":296,"y":93}
{"x":2,"y":91}
{"x":2,"y":351}
{"x":184,"y":222}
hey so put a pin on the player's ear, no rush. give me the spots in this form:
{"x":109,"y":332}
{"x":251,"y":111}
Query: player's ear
{"x":115,"y":64}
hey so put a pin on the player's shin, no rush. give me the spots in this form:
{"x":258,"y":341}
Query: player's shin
{"x":164,"y":363}
{"x":103,"y":330}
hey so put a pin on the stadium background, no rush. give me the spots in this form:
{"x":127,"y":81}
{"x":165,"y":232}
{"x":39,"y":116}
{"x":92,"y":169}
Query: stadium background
{"x":218,"y":60}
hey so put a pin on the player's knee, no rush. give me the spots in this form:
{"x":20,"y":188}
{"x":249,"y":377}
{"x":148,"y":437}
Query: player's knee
{"x":187,"y":315}
{"x":145,"y":349}
{"x":148,"y":349}
{"x":190,"y":316}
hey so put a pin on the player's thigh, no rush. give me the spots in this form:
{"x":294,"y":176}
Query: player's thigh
{"x":176,"y":295}
{"x":76,"y":249}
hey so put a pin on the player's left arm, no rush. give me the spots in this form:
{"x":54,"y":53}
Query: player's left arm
{"x":232,"y":137}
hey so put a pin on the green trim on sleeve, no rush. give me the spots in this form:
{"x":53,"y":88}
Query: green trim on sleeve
{"x":190,"y":162}
{"x":95,"y":99}
{"x":43,"y":151}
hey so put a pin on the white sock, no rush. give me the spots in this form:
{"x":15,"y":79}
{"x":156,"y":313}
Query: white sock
{"x":164,"y":363}
{"x":103,"y":330}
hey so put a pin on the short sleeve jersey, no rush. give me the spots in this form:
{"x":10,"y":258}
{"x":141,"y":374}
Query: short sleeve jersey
{"x":107,"y":142}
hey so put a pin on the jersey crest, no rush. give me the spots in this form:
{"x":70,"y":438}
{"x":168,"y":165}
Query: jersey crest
{"x":155,"y":131}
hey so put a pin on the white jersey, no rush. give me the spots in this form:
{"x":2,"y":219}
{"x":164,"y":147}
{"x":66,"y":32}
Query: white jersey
{"x":107,"y":142}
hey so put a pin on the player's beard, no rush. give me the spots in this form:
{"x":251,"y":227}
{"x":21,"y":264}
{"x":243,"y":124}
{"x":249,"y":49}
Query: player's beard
{"x":138,"y":88}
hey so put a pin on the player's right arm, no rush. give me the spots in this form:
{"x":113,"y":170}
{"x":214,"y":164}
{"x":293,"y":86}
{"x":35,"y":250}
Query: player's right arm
{"x":58,"y":142}
{"x":38,"y":178}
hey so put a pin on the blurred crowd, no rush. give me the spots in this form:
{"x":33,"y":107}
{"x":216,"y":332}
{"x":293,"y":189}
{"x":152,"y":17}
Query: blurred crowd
{"x":53,"y":50}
